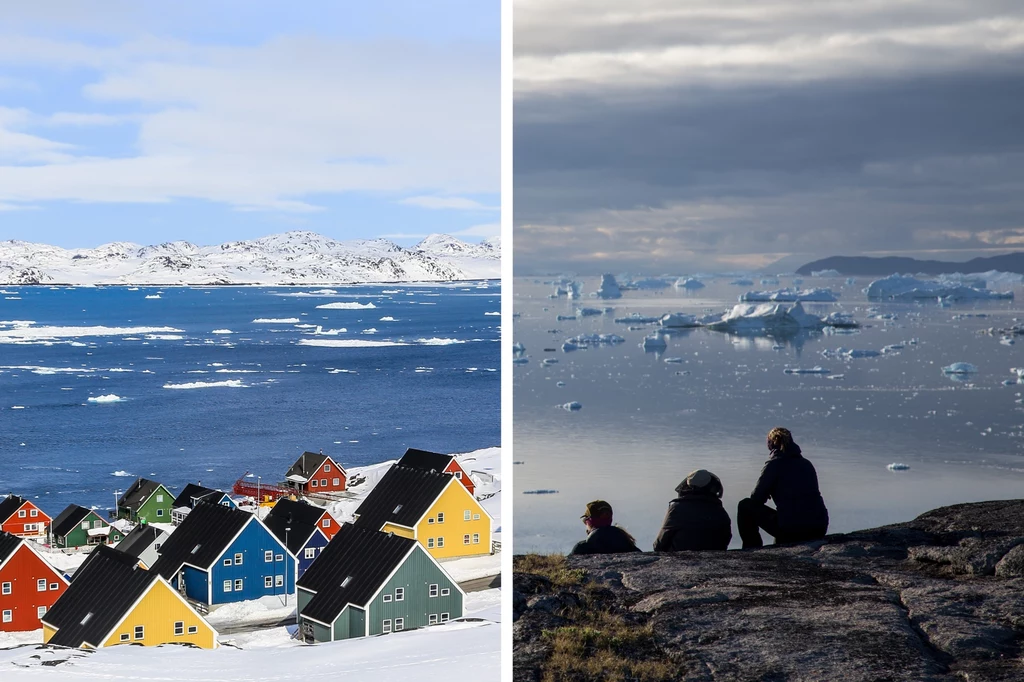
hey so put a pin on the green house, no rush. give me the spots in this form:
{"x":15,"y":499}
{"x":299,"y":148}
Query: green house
{"x":80,"y":527}
{"x":146,"y":501}
{"x":366,"y":582}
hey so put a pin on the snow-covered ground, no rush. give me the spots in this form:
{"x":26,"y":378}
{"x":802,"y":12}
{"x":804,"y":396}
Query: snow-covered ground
{"x":437,"y":653}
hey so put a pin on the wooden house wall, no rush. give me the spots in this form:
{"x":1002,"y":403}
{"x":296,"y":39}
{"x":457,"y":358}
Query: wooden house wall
{"x":23,"y":569}
{"x":415,"y":576}
{"x":157,"y":613}
{"x":454,"y":502}
{"x":252,"y":543}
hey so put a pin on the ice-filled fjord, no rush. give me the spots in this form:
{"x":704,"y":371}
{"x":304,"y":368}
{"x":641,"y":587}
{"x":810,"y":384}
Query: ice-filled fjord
{"x":924,"y":384}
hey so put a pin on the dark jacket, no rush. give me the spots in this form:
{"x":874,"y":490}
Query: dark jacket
{"x":605,"y":540}
{"x":791,"y":482}
{"x":694,"y":520}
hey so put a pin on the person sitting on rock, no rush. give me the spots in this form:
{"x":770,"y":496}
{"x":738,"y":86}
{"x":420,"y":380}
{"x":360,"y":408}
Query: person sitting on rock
{"x":696,"y":519}
{"x":791,"y":482}
{"x":602,"y":536}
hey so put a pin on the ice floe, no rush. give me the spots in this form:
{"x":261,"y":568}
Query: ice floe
{"x":907,"y":287}
{"x":586,"y":340}
{"x":679,"y":321}
{"x":960,"y":368}
{"x":840,"y":319}
{"x":222,"y":331}
{"x":387,"y":318}
{"x":439,"y":342}
{"x":25,"y":334}
{"x":636,"y":318}
{"x":571,"y":406}
{"x":121,"y":473}
{"x":152,"y":296}
{"x":590,"y":312}
{"x":654,"y":342}
{"x":806,"y":370}
{"x":791,"y":295}
{"x":898,"y":466}
{"x":230,"y":383}
{"x":689,"y":283}
{"x":111,"y":398}
{"x":349,"y":343}
{"x":345,"y":305}
{"x":276,"y":320}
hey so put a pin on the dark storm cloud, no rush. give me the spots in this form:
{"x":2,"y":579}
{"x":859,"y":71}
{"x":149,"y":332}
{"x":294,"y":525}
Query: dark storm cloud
{"x":912,"y":144}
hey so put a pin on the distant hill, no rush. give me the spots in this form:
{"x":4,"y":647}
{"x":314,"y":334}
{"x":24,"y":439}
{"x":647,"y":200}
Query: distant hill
{"x":865,"y":265}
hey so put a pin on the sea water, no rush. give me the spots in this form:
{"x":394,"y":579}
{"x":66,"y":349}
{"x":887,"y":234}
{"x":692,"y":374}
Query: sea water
{"x":708,"y":399}
{"x":185,"y":384}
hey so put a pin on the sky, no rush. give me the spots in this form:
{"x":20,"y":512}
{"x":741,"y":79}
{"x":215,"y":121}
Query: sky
{"x":669,"y":136}
{"x":147,"y":121}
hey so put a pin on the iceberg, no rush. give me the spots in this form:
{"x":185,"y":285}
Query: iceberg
{"x":572,"y":407}
{"x":586,"y":340}
{"x":741,"y":282}
{"x":111,"y":398}
{"x":960,"y":368}
{"x":609,"y":288}
{"x":589,"y":312}
{"x":791,"y":295}
{"x":898,"y":466}
{"x":679,"y":321}
{"x":649,"y":283}
{"x":907,"y":288}
{"x":809,"y":370}
{"x":779,"y":318}
{"x":840,"y":320}
{"x":654,"y":342}
{"x":636,"y":318}
{"x":689,"y":283}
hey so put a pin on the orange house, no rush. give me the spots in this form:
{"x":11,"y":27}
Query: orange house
{"x":29,"y":586}
{"x":20,"y":517}
{"x":442,"y":464}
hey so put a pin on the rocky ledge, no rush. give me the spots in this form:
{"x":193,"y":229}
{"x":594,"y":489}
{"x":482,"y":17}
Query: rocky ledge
{"x":938,"y":598}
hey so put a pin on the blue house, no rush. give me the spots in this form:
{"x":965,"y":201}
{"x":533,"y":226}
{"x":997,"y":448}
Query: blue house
{"x":298,"y":525}
{"x":193,"y":494}
{"x":219,"y":555}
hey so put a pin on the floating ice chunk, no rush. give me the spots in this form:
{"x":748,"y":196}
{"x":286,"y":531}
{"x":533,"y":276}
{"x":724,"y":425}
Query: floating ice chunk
{"x":230,"y":383}
{"x":893,"y":348}
{"x":17,"y":407}
{"x":609,"y":288}
{"x":540,"y":492}
{"x":1007,"y":341}
{"x":636,"y":318}
{"x":222,"y":331}
{"x":825,"y":273}
{"x":571,"y":407}
{"x":898,"y":466}
{"x":650,"y":283}
{"x":589,"y":312}
{"x":276,"y":320}
{"x":549,"y":361}
{"x":745,"y":318}
{"x":345,"y":305}
{"x":806,"y":370}
{"x":560,"y":384}
{"x":907,"y":287}
{"x":673,"y":360}
{"x":111,"y":398}
{"x":689,"y":284}
{"x":791,"y":295}
{"x":861,"y":353}
{"x":679,"y":321}
{"x":742,"y":282}
{"x":562,"y":318}
{"x":586,"y":340}
{"x":520,"y":361}
{"x":518,"y":348}
{"x":349,"y":343}
{"x":388,"y":318}
{"x":767,"y":281}
{"x":152,"y":296}
{"x":960,"y":368}
{"x":836,"y":376}
{"x":654,"y":342}
{"x":121,"y":472}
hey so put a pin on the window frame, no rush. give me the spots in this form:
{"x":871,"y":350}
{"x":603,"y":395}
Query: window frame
{"x":399,"y":624}
{"x":440,"y":541}
{"x":388,"y":598}
{"x":7,"y":616}
{"x":430,"y":543}
{"x":445,"y":617}
{"x":226,"y":586}
{"x":193,"y":629}
{"x":476,"y":538}
{"x":433,"y":590}
{"x":309,"y":553}
{"x":445,"y":591}
{"x":239,"y":584}
{"x":268,"y":581}
{"x":125,"y":637}
{"x":140,"y":632}
{"x":279,"y":580}
{"x":179,"y":628}
{"x":268,"y":556}
{"x":399,"y":594}
{"x":440,"y":517}
{"x":41,"y":585}
{"x":6,"y":588}
{"x":385,"y":626}
{"x":238,"y":558}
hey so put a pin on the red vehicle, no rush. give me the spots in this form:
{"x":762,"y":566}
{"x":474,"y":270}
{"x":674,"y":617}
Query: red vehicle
{"x":29,"y":585}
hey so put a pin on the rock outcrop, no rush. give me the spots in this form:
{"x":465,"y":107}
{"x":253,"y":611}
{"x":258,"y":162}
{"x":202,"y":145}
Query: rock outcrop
{"x":938,"y":598}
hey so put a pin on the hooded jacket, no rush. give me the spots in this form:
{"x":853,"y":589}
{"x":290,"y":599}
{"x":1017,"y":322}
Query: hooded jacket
{"x":605,"y":540}
{"x":696,"y":520}
{"x":792,"y":483}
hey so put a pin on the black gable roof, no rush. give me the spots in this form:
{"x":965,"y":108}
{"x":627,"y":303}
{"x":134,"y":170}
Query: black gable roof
{"x":193,"y":490}
{"x":301,"y":517}
{"x":307,"y":464}
{"x":10,"y":505}
{"x":106,"y":587}
{"x":68,"y":519}
{"x":8,"y":543}
{"x":201,"y":538}
{"x":402,"y":496}
{"x":137,"y":493}
{"x":138,"y":540}
{"x":425,"y":460}
{"x":365,"y":557}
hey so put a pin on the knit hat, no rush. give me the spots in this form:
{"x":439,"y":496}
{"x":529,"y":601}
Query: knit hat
{"x":702,"y":481}
{"x":597,"y":509}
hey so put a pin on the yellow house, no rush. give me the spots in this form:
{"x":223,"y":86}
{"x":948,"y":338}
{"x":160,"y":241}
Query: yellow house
{"x":431,"y":507}
{"x":112,"y":600}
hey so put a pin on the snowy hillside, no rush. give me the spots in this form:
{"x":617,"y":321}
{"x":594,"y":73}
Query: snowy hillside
{"x":288,"y":258}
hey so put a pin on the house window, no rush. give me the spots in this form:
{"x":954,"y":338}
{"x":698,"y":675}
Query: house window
{"x":227,"y":585}
{"x":399,"y":624}
{"x":465,"y":539}
{"x":34,"y":513}
{"x":156,"y":545}
{"x":387,"y":598}
{"x":140,"y":632}
{"x":227,"y":562}
{"x":386,"y":629}
{"x":279,"y":557}
{"x":268,"y":581}
{"x":278,"y":580}
{"x":85,"y":525}
{"x":467,"y":515}
{"x":159,"y":498}
{"x":430,"y":543}
{"x":21,"y":513}
{"x":432,"y":620}
{"x":458,"y":475}
{"x":440,"y":542}
{"x":476,"y":517}
{"x":179,"y":628}
{"x":8,"y":615}
{"x":40,"y":611}
{"x":336,"y":481}
{"x":238,"y":559}
{"x":41,"y":585}
{"x":238,"y":584}
{"x":327,"y":468}
{"x":399,"y":594}
{"x":326,"y":523}
{"x":54,"y":586}
{"x":440,"y":517}
{"x":313,"y":483}
{"x":97,"y":524}
{"x":268,"y":556}
{"x":193,"y":629}
{"x":159,"y":512}
{"x":433,"y":590}
{"x":125,"y":637}
{"x":445,"y":591}
{"x":310,"y":552}
{"x":5,"y":588}
{"x":323,"y":482}
{"x":225,"y":503}
{"x":445,"y":617}
{"x":430,"y":520}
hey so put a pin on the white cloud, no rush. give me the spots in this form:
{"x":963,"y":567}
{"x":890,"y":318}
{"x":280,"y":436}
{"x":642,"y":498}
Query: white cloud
{"x":454,"y":203}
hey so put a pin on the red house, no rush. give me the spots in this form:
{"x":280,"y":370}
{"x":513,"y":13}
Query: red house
{"x":316,"y":473}
{"x":442,"y":464}
{"x":28,"y":585}
{"x":20,"y":517}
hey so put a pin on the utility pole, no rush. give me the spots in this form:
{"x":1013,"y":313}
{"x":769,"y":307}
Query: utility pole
{"x":287,"y":551}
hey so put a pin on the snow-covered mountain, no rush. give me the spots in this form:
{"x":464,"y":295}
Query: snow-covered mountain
{"x":288,"y":258}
